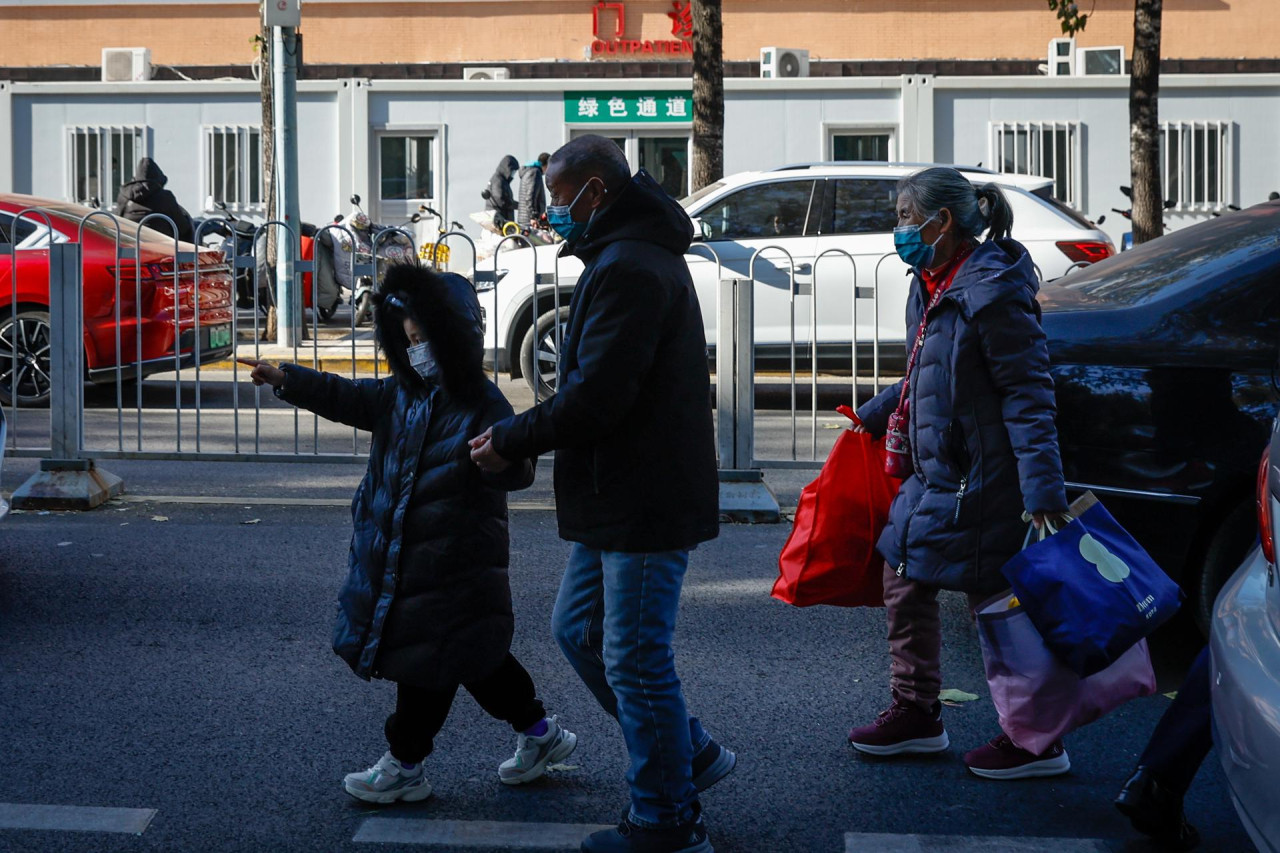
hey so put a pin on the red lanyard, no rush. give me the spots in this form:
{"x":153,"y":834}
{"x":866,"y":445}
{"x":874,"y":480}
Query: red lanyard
{"x":943,"y":287}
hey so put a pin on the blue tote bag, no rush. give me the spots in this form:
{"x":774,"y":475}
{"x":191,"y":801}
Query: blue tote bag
{"x":1091,"y":590}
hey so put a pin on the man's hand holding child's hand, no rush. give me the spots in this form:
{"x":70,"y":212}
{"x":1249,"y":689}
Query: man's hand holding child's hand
{"x":485,"y":457}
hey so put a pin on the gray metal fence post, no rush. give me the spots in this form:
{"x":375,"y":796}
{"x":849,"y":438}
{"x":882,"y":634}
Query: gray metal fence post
{"x":65,"y":480}
{"x":744,"y":495}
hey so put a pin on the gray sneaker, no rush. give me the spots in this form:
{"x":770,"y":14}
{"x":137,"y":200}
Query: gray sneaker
{"x":533,"y":754}
{"x":388,"y":781}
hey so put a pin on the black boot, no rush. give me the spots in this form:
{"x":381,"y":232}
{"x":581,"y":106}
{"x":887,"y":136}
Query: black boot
{"x":628,"y":837}
{"x":1156,"y":811}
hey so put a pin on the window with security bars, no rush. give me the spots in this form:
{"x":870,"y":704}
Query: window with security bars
{"x":102,"y":160}
{"x":1195,"y":158}
{"x":233,"y":167}
{"x":1049,"y":149}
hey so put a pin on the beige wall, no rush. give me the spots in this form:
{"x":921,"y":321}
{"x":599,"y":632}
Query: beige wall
{"x":364,"y":32}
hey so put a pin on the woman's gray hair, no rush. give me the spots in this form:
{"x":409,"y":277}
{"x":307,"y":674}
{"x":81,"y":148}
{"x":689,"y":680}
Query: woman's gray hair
{"x":974,"y":209}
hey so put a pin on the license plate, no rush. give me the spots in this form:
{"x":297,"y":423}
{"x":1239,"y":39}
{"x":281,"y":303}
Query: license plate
{"x":219,"y":337}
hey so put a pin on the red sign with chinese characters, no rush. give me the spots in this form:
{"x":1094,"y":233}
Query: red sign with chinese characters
{"x":609,"y":29}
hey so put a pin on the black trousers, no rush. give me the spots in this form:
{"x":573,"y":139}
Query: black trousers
{"x":506,"y":694}
{"x":1184,"y":735}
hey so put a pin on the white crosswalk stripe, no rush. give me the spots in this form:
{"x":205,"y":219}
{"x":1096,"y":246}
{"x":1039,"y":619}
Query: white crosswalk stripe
{"x":869,"y":842}
{"x":482,"y":834}
{"x":74,"y":818}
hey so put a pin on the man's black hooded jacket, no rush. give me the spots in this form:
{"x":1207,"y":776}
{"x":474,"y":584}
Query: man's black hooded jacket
{"x":635,"y":466}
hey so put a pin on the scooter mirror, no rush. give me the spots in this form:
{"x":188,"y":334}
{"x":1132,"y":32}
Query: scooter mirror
{"x":337,"y":219}
{"x":417,"y":217}
{"x":221,"y":205}
{"x":355,"y":199}
{"x":1128,"y":192}
{"x":1102,"y":219}
{"x":1171,"y":204}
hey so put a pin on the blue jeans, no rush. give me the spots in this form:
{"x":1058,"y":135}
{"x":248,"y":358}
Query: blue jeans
{"x":614,"y":619}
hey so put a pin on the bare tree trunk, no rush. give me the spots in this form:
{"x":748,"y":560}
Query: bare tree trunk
{"x":268,"y":138}
{"x":1144,"y":122}
{"x":708,"y":94}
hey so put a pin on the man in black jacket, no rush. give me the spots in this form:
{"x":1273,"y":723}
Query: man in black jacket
{"x":635,"y":473}
{"x":146,"y":195}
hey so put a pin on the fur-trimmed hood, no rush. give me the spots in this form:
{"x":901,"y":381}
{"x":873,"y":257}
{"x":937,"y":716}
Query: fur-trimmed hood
{"x":447,"y":310}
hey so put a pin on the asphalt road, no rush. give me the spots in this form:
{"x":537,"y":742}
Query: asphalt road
{"x":183,"y":665}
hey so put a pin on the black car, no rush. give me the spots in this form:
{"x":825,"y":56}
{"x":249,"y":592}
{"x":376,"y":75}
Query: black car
{"x":1165,"y":361}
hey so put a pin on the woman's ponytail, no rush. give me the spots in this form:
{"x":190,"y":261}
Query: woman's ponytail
{"x":996,"y":212}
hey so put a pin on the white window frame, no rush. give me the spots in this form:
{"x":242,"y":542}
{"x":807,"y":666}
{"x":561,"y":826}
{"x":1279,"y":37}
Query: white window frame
{"x":239,"y":135}
{"x":830,"y":130}
{"x":105,"y":135}
{"x":1035,"y":131}
{"x":1185,"y":168}
{"x":437,"y":133}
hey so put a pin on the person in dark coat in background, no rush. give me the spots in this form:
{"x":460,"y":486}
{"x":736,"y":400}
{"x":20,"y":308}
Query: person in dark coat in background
{"x":979,"y":410}
{"x":533,"y":193}
{"x":146,"y":195}
{"x":635,"y":479}
{"x":498,"y":197}
{"x":427,"y":601}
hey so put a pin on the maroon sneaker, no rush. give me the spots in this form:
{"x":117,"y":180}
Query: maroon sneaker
{"x":902,"y":728}
{"x":1001,"y":759}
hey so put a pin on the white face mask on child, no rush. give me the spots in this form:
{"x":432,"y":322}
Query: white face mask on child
{"x":422,"y":360}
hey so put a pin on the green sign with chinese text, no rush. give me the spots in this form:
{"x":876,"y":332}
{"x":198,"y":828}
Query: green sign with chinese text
{"x":628,"y":107}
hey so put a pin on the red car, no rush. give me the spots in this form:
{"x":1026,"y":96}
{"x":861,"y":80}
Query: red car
{"x":147,"y":281}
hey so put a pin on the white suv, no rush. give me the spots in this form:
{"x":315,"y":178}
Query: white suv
{"x":816,"y":213}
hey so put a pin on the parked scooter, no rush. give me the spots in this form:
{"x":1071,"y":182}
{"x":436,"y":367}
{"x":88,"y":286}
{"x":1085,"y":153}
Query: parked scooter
{"x":1126,"y":240}
{"x":336,"y":253}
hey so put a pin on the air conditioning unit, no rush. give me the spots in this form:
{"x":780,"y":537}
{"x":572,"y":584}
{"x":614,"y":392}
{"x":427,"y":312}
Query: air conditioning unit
{"x":126,"y":64}
{"x":1062,"y":57}
{"x":1100,"y":60}
{"x":483,"y":73}
{"x":783,"y":62}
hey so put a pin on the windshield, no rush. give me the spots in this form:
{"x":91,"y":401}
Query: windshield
{"x":102,"y":225}
{"x":1234,"y":249}
{"x":690,"y":200}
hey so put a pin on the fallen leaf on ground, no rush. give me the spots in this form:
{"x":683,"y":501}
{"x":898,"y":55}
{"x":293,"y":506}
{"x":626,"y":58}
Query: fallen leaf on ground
{"x":251,"y":521}
{"x":954,"y":697}
{"x":159,"y":518}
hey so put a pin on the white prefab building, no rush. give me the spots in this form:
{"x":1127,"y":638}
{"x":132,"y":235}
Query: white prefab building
{"x":399,"y":144}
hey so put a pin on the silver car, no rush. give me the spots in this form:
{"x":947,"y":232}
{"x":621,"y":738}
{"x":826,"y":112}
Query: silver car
{"x":1245,"y":654}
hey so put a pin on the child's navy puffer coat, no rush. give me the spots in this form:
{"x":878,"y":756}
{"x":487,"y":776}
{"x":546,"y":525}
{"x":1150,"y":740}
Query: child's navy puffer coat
{"x":427,"y":599}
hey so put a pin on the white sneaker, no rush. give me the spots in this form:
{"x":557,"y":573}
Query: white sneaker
{"x":388,"y":781}
{"x":533,"y":754}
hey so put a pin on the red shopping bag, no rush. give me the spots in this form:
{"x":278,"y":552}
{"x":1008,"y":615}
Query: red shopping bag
{"x":830,"y":557}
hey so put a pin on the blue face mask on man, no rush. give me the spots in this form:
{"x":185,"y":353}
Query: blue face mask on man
{"x":560,"y":217}
{"x":912,"y":248}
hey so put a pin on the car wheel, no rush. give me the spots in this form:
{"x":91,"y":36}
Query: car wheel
{"x":543,"y":338}
{"x":28,"y":335}
{"x":1227,"y":550}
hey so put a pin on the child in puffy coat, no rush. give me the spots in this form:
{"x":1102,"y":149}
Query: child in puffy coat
{"x":427,"y":601}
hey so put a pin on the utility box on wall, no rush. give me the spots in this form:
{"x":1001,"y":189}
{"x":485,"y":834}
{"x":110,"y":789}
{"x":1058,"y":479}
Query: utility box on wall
{"x":282,"y":13}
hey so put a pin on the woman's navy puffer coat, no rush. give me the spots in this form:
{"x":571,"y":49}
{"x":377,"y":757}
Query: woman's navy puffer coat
{"x":983,"y":438}
{"x":427,"y":599}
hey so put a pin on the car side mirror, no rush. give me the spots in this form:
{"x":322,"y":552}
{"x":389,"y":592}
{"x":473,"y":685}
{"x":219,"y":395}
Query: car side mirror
{"x":701,"y":230}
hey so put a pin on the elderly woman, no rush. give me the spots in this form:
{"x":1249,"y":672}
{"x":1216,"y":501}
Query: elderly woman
{"x":973,"y":424}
